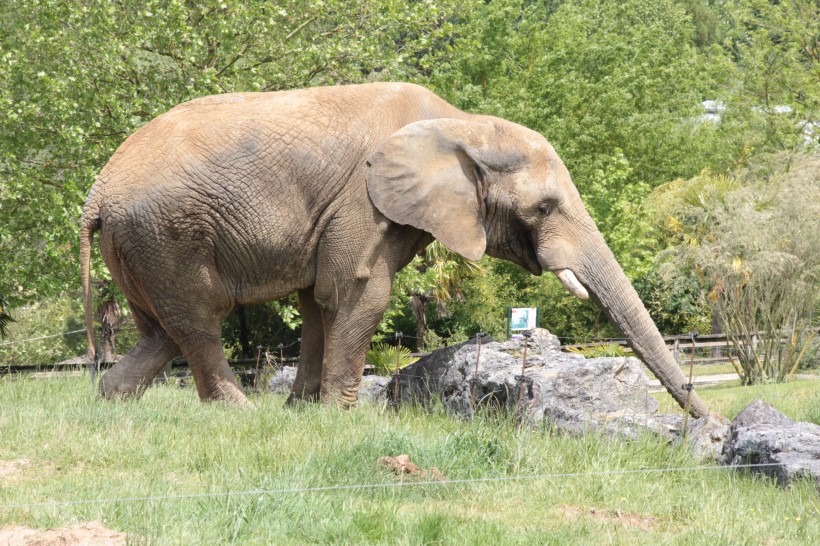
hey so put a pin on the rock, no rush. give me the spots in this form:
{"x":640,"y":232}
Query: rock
{"x":282,"y":380}
{"x":373,"y":389}
{"x":706,"y":436}
{"x":563,"y":391}
{"x":762,"y":435}
{"x":760,"y":413}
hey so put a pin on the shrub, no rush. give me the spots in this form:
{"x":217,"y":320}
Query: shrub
{"x":604,"y":349}
{"x":384,"y":358}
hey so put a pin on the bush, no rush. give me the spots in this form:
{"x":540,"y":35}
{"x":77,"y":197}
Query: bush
{"x":751,"y":241}
{"x":604,"y":349}
{"x":384,"y":358}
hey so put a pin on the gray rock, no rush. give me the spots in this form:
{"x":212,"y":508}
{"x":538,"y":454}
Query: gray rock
{"x":282,"y":380}
{"x":704,"y":436}
{"x":562,"y":391}
{"x":373,"y":389}
{"x":762,"y":435}
{"x":759,"y":412}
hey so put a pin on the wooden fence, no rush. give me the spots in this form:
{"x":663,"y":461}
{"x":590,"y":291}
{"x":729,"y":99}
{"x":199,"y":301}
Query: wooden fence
{"x":707,"y":348}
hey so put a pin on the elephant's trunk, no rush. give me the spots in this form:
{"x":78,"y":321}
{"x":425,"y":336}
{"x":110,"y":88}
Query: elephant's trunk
{"x":612,"y":291}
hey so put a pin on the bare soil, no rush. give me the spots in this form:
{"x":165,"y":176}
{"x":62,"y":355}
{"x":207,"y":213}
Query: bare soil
{"x":629,"y":520}
{"x":90,"y":533}
{"x":10,"y":471}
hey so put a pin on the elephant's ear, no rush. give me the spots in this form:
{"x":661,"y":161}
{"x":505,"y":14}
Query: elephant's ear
{"x":428,"y":175}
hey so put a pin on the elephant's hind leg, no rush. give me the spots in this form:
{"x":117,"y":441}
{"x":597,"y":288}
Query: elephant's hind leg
{"x":308,"y":380}
{"x":213,"y":376}
{"x":135,"y":372}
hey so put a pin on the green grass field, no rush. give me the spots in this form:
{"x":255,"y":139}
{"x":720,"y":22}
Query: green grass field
{"x":170,"y":470}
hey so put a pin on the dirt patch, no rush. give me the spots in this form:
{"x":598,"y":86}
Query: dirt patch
{"x":403,"y":466}
{"x":10,"y":470}
{"x":629,"y":520}
{"x":91,"y":533}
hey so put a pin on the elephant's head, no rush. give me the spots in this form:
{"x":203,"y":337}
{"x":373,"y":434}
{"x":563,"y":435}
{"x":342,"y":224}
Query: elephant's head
{"x":489,"y":185}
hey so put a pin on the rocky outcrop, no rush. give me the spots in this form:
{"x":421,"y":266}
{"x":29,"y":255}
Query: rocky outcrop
{"x":562,"y":391}
{"x":786,"y":450}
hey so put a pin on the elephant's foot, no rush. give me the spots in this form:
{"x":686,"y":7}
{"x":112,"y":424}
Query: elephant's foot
{"x":224,"y":390}
{"x":304,"y":390}
{"x":134,"y":373}
{"x":344,"y":398}
{"x":295,"y":399}
{"x":113,"y":386}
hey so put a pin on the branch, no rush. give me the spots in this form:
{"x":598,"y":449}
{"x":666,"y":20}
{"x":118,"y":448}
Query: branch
{"x":298,"y":29}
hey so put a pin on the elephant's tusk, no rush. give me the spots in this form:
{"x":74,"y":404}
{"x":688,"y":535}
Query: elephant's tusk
{"x":571,"y":283}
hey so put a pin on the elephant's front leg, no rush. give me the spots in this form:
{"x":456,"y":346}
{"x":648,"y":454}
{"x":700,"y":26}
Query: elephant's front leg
{"x":308,"y":380}
{"x":348,"y":331}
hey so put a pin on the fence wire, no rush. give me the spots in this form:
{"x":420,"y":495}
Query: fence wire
{"x":16,"y":341}
{"x":381,"y":485}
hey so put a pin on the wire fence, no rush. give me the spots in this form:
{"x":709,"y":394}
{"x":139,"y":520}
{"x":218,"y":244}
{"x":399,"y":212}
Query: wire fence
{"x":27,"y":340}
{"x":385,"y":485}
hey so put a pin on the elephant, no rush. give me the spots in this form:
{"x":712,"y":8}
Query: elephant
{"x":244,"y":198}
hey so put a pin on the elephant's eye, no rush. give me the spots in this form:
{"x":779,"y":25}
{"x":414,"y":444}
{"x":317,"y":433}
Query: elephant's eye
{"x":544,"y":209}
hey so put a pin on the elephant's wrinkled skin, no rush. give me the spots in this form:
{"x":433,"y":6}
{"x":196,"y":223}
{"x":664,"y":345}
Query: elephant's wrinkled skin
{"x":244,"y":198}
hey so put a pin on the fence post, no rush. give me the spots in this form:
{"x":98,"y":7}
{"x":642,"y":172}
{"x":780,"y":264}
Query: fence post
{"x":478,"y":337}
{"x":399,"y":335}
{"x":256,"y":372}
{"x":689,"y":386}
{"x":676,"y":351}
{"x":523,"y":377}
{"x":281,"y":356}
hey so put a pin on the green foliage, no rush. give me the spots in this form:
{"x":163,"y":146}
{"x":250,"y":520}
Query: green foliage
{"x":768,"y":79}
{"x":49,"y":332}
{"x":388,"y":359}
{"x":614,"y":85}
{"x":5,"y":317}
{"x":750,"y":241}
{"x":266,"y":325}
{"x":602,"y":350}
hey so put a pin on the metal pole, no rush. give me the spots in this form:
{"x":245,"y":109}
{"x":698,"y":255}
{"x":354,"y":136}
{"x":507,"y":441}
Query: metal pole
{"x":256,"y":373}
{"x":281,"y":356}
{"x":689,"y":386}
{"x":399,"y":335}
{"x":478,"y":337}
{"x":527,"y":336}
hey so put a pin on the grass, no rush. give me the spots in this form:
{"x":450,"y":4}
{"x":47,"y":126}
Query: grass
{"x":170,"y":445}
{"x":799,"y":400}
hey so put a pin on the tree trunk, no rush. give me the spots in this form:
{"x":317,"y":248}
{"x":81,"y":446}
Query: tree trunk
{"x":110,"y":317}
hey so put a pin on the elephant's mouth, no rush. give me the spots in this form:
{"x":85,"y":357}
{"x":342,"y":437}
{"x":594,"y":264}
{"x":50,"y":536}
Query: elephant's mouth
{"x":571,"y":283}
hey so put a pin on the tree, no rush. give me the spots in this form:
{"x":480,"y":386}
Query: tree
{"x":765,"y":75}
{"x":751,"y":241}
{"x":77,"y":78}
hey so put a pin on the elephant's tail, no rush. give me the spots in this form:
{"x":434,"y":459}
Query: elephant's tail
{"x":89,"y":224}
